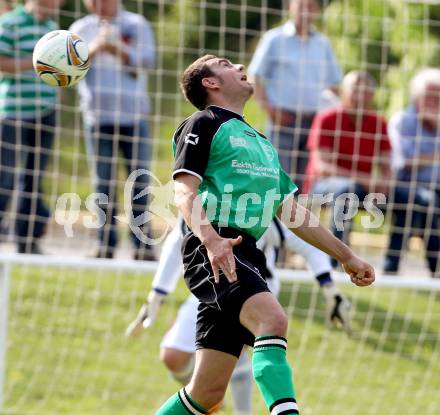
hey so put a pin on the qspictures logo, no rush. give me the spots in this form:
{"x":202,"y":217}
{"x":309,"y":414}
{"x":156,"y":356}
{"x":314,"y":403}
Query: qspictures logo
{"x":160,"y":201}
{"x":157,"y":201}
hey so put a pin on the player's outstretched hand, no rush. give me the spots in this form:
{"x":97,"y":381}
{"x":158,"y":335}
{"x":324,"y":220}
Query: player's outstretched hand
{"x":222,"y":258}
{"x":360,"y":272}
{"x":147,"y":314}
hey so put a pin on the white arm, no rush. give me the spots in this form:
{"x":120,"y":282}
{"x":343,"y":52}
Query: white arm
{"x":309,"y":229}
{"x":317,"y":261}
{"x":169,"y":268}
{"x":165,"y":280}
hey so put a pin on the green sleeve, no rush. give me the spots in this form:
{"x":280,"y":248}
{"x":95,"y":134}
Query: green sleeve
{"x":287,"y":187}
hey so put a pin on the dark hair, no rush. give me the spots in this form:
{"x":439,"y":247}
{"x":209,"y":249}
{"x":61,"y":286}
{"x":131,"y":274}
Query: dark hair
{"x":191,"y":82}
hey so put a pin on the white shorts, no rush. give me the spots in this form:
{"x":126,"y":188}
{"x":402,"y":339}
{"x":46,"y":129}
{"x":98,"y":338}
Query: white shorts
{"x":182,"y":335}
{"x":274,"y":285}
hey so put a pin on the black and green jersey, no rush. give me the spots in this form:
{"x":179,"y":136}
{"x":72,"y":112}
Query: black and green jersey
{"x":243,"y":183}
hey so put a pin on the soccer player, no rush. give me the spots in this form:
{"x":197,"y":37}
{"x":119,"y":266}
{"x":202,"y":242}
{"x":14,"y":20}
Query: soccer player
{"x":229,"y":185}
{"x":178,"y":345}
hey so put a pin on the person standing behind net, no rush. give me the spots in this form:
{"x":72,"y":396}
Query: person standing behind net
{"x":294,"y":68}
{"x":414,"y":135}
{"x":115,"y":107}
{"x":228,"y":186}
{"x":27,"y":120}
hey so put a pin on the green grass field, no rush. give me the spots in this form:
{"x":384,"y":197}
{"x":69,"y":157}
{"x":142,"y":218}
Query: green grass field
{"x":67,"y":354}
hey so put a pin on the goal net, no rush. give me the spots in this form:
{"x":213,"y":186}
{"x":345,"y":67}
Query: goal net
{"x":63,"y":312}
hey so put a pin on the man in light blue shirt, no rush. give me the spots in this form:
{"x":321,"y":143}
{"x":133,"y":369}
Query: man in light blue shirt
{"x":296,"y":74}
{"x":115,"y":106}
{"x":414,"y":135}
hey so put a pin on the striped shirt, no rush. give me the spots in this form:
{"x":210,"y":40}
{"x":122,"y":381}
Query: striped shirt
{"x":23,"y":95}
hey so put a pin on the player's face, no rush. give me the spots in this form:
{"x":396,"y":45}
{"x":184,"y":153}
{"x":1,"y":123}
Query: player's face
{"x":103,"y":8}
{"x":428,"y":105}
{"x":232,"y":77}
{"x":304,"y":12}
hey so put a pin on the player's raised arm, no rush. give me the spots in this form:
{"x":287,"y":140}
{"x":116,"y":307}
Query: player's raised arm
{"x":310,"y":230}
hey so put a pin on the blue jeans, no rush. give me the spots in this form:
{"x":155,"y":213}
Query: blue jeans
{"x":291,"y":144}
{"x":338,"y":186}
{"x":25,"y":147}
{"x":415,"y":210}
{"x":106,"y":143}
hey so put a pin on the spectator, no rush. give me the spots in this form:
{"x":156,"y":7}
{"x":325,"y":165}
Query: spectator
{"x":4,"y":6}
{"x":294,"y":68}
{"x":414,"y":135}
{"x":346,"y":144}
{"x":115,"y":106}
{"x":27,"y":119}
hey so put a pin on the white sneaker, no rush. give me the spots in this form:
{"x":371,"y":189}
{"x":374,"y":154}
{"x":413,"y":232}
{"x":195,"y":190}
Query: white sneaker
{"x":338,"y":308}
{"x":136,"y":327}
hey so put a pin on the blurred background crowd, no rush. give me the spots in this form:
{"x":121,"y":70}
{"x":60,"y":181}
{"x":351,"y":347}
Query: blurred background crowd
{"x":352,"y":105}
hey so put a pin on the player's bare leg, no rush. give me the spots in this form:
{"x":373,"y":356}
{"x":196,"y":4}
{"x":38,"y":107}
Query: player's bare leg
{"x":180,"y":364}
{"x":265,"y":318}
{"x":212,"y":373}
{"x":208,"y":385}
{"x":262,"y":314}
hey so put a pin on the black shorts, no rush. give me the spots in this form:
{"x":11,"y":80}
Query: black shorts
{"x":218,"y":325}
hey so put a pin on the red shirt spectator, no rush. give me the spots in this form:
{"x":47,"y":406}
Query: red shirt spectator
{"x":347,"y":144}
{"x":354,"y":143}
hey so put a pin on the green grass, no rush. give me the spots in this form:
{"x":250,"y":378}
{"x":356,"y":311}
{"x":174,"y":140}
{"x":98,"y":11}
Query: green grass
{"x":67,"y":354}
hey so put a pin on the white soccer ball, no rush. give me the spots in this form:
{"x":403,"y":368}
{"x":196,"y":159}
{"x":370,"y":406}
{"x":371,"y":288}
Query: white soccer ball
{"x":61,"y":58}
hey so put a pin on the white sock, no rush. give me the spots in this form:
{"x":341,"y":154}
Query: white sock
{"x":317,"y":261}
{"x":241,"y":386}
{"x":330,"y":290}
{"x":184,"y":375}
